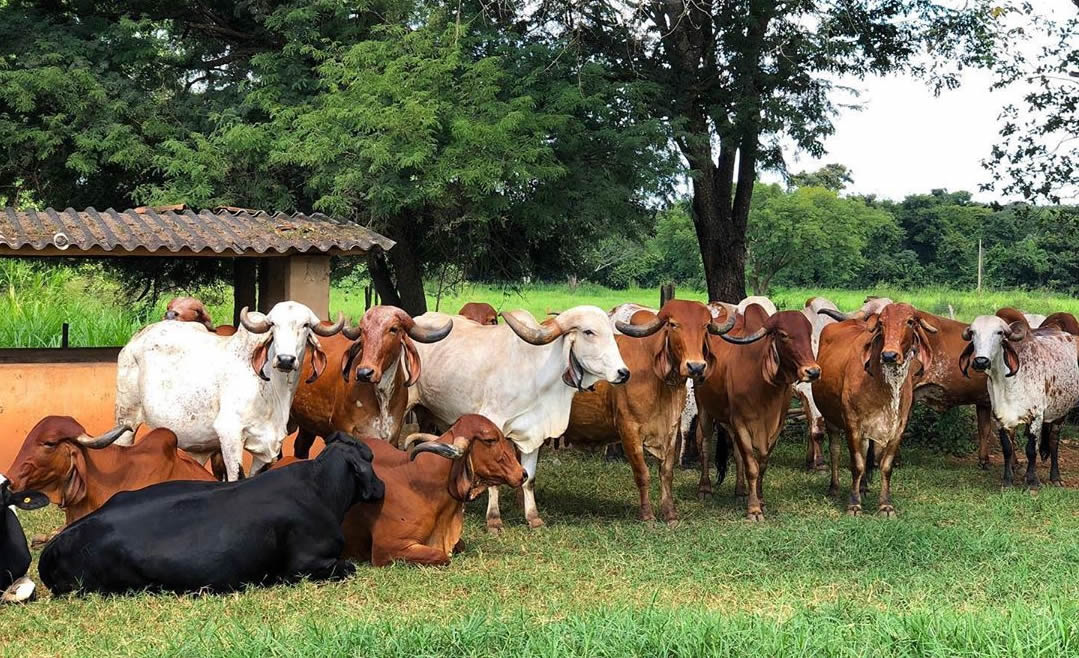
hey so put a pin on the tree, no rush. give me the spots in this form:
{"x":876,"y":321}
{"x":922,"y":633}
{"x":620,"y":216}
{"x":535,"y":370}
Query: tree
{"x":833,"y":177}
{"x":735,"y":79}
{"x":810,"y":234}
{"x":1038,"y":152}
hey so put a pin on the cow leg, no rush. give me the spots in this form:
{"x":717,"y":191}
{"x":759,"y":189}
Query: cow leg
{"x":857,"y":471}
{"x":230,"y":437}
{"x":494,"y":515}
{"x":301,"y":448}
{"x":740,"y":488}
{"x":985,"y":435}
{"x":1009,"y":455}
{"x":1034,"y":431}
{"x":20,"y":591}
{"x":529,"y":461}
{"x":1054,"y":453}
{"x":634,"y":450}
{"x":834,"y":449}
{"x":743,"y":448}
{"x":705,"y":429}
{"x":413,"y":554}
{"x":666,"y":483}
{"x":336,"y":569}
{"x":887,"y":462}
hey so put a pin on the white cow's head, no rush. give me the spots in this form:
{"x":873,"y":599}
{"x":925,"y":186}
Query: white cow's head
{"x":991,"y":339}
{"x":291,"y":327}
{"x":589,"y":347}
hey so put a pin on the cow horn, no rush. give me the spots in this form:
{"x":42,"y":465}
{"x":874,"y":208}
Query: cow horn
{"x":641,"y":330}
{"x":105,"y":439}
{"x":743,"y":340}
{"x":352,"y":333}
{"x":534,"y":335}
{"x":449,"y":451}
{"x":430,"y":335}
{"x":840,"y":315}
{"x":925,"y":325}
{"x":252,"y":326}
{"x":720,"y":329}
{"x":332,"y":330}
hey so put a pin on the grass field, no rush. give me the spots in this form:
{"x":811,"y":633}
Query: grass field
{"x":34,"y":303}
{"x":965,"y":570}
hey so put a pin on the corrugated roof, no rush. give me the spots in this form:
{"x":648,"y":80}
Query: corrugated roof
{"x":177,"y":228}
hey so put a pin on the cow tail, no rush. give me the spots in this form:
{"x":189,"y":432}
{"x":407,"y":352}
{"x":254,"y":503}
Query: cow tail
{"x":723,"y":453}
{"x":1044,"y":442}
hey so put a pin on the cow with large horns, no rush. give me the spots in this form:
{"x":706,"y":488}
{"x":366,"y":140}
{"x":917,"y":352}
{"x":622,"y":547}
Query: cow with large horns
{"x":748,"y":393}
{"x":377,"y":363}
{"x":662,"y":350}
{"x":866,"y":388}
{"x":221,"y":393}
{"x":79,"y":472}
{"x":421,"y":517}
{"x":521,"y":375}
{"x":1032,"y":379}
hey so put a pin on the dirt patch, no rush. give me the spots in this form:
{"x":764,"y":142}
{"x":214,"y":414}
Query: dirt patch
{"x":1069,"y":462}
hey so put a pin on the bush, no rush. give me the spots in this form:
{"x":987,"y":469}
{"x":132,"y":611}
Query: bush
{"x":953,"y":432}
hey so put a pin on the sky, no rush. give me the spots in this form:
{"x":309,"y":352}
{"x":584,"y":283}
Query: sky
{"x":905,"y":140}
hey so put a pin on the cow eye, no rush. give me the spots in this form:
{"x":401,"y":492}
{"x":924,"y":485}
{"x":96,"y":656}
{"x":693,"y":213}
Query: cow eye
{"x":589,"y":332}
{"x":393,"y":330}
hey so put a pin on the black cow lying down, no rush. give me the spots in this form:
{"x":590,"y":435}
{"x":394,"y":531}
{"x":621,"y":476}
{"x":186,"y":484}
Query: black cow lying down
{"x":14,"y":554}
{"x":216,"y":537}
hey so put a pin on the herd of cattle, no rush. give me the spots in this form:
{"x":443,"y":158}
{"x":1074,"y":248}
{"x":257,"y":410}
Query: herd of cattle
{"x":496,"y":392}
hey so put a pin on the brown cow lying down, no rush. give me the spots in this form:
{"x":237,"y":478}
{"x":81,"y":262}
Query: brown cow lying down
{"x":421,"y":517}
{"x":191,"y":309}
{"x":79,"y":472}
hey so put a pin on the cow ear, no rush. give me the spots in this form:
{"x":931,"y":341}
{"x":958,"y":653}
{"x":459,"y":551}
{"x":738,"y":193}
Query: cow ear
{"x":354,"y":350}
{"x":75,"y":489}
{"x":1011,"y":358}
{"x":574,"y":374}
{"x":872,"y":322}
{"x":29,"y":500}
{"x":925,"y":352}
{"x":662,"y":365}
{"x":318,"y":358}
{"x":770,"y":364}
{"x":461,"y":478}
{"x":964,"y":359}
{"x":258,"y":359}
{"x":412,"y":360}
{"x":867,"y":352}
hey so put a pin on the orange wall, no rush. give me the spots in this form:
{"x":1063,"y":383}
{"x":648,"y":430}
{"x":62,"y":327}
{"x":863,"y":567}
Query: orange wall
{"x":84,"y":391}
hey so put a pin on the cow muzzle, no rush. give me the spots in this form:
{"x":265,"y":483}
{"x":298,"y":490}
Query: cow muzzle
{"x":810,"y":374}
{"x":696,"y":368}
{"x":889,"y":356}
{"x":285,"y":362}
{"x":365,"y":374}
{"x":981,"y":363}
{"x":623,"y":376}
{"x":171,"y":315}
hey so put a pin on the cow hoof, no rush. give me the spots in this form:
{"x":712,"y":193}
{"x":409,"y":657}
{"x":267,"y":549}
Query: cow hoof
{"x":886,"y":511}
{"x":494,"y":527}
{"x":22,"y":590}
{"x":833,"y":491}
{"x":755,"y":516}
{"x":535,"y":523}
{"x":983,"y":464}
{"x":854,"y":510}
{"x":673,"y":523}
{"x":1057,"y":482}
{"x":703,"y":495}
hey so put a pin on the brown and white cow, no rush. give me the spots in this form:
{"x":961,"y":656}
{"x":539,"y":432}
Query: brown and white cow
{"x":191,"y":309}
{"x":421,"y":517}
{"x":757,"y":365}
{"x":661,"y":351}
{"x":80,"y":473}
{"x":866,"y":388}
{"x":377,"y":362}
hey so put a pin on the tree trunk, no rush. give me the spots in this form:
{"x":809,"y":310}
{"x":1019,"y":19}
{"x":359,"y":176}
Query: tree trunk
{"x":398,"y":274}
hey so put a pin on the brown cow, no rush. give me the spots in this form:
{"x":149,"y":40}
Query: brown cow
{"x":421,"y":517}
{"x":191,"y":309}
{"x":79,"y":472}
{"x":866,"y":388}
{"x":481,"y":312}
{"x":377,"y":362}
{"x":661,"y":351}
{"x":757,"y":365}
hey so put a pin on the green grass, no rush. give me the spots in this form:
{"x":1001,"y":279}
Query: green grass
{"x":964,"y":571}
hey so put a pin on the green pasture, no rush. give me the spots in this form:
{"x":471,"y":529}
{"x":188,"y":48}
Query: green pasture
{"x":965,"y":570}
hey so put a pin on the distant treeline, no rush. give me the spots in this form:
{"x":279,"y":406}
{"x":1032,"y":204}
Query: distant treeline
{"x":811,"y":236}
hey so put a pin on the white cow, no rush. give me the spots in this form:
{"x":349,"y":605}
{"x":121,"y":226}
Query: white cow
{"x":520,"y":375}
{"x":1033,"y":378}
{"x":220,"y":393}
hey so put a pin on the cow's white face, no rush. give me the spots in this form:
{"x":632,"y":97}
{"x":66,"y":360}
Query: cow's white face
{"x":988,"y":333}
{"x":292,"y":324}
{"x":589,"y":335}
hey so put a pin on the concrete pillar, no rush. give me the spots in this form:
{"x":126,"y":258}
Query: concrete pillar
{"x":244,"y":282}
{"x":301,"y":278}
